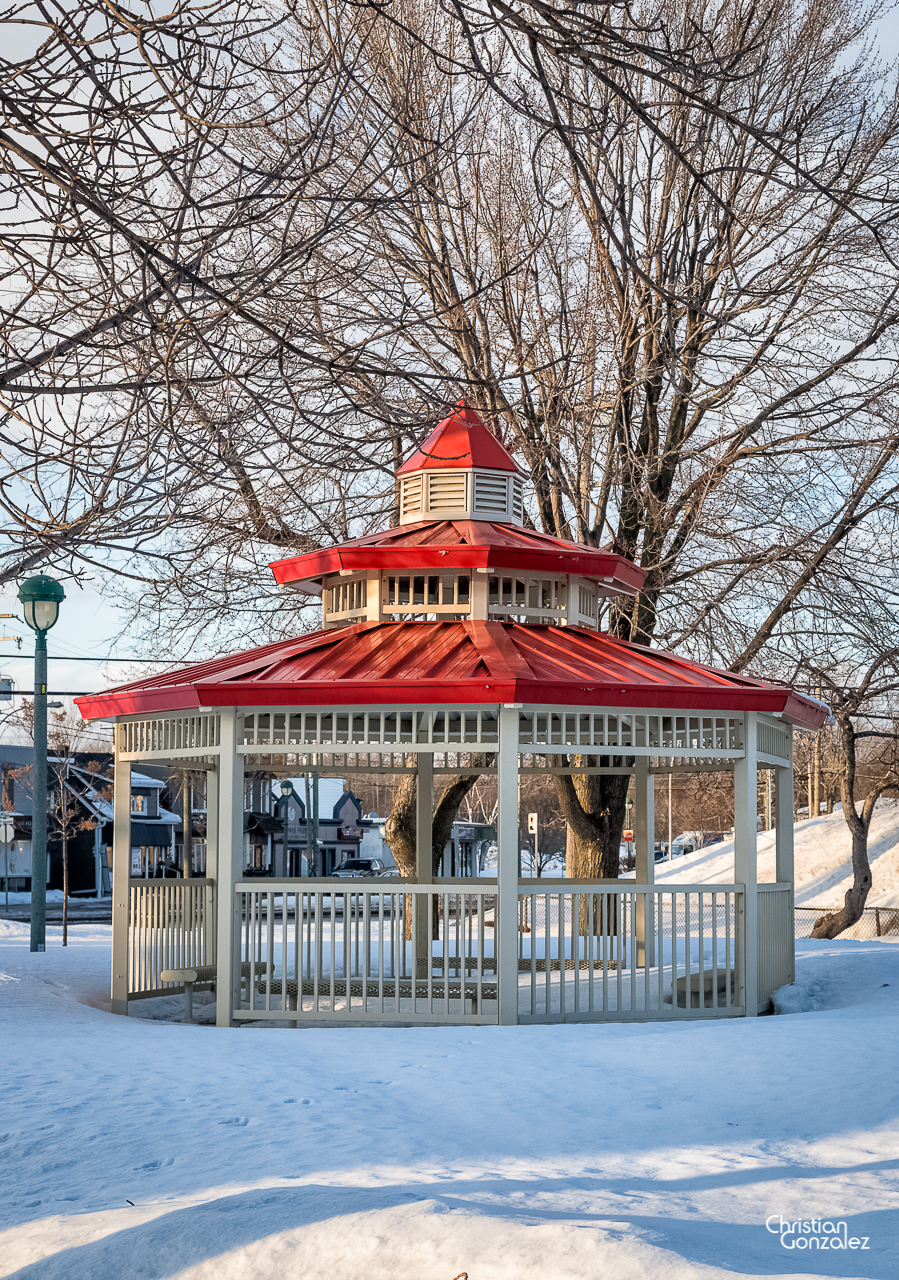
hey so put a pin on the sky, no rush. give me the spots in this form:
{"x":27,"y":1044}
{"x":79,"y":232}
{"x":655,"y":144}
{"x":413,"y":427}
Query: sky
{"x":89,"y":620}
{"x":87,"y":628}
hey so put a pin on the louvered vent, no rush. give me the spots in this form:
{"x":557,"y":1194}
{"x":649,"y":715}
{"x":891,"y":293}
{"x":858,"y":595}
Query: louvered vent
{"x":517,"y":499}
{"x":410,"y":496}
{"x":490,"y":493}
{"x":446,"y":491}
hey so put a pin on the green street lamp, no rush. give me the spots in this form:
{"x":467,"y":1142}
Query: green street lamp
{"x":41,"y":598}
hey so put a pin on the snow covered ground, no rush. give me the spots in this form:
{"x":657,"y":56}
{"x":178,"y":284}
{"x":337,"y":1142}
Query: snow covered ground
{"x":822,"y":852}
{"x":416,"y":1154}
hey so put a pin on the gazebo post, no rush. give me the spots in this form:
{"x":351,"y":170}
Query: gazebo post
{"x":121,"y":872}
{"x":212,"y":821}
{"x":228,"y":866}
{"x":644,"y":842}
{"x":211,"y":872}
{"x":745,"y":861}
{"x":505,"y":932}
{"x":783,"y":836}
{"x":424,"y":859}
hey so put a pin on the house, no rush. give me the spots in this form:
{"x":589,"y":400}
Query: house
{"x":80,"y":799}
{"x":15,"y":801}
{"x":306,"y":804}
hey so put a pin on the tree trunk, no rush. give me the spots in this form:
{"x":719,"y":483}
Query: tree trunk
{"x":400,"y":826}
{"x":65,"y":891}
{"x":594,"y":808}
{"x":834,"y":923}
{"x":401,"y":834}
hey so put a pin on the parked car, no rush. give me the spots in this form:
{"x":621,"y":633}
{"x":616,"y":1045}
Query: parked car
{"x":360,"y":868}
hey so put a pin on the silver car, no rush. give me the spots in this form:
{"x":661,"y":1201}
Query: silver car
{"x":359,"y":869}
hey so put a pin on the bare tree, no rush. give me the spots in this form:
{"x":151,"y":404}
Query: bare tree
{"x":858,"y":724}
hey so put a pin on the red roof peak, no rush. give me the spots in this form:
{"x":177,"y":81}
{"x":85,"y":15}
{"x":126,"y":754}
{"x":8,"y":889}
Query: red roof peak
{"x":460,"y":442}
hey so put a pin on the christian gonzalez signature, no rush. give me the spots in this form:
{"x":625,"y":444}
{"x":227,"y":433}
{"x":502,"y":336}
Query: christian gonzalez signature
{"x":814,"y":1233}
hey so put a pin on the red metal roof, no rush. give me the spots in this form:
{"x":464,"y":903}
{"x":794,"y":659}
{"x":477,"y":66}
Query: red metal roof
{"x":460,"y":441}
{"x":430,"y":546}
{"x":453,"y":663}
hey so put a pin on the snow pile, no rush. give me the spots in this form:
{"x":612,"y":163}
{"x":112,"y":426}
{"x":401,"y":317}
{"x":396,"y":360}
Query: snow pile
{"x":824,"y":980}
{"x":517,"y":1153}
{"x":822,"y":855}
{"x":19,"y":899}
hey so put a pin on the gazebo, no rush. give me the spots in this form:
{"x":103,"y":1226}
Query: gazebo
{"x":458,"y":642}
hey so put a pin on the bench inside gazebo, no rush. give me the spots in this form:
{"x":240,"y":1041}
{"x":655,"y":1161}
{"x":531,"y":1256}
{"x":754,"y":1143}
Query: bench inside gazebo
{"x":458,"y":642}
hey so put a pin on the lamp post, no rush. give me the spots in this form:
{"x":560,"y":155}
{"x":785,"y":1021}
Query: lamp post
{"x":284,"y":806}
{"x":41,"y":598}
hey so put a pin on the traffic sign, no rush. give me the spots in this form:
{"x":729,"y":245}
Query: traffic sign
{"x":7,"y":832}
{"x":532,"y":824}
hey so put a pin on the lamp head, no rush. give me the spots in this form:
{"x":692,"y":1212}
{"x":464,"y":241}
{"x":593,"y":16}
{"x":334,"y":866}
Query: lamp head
{"x":41,"y":597}
{"x":286,"y":788}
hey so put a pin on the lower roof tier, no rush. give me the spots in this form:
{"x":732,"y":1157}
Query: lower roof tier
{"x":406,"y":664}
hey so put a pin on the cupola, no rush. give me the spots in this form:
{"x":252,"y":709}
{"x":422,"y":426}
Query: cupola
{"x":461,"y":472}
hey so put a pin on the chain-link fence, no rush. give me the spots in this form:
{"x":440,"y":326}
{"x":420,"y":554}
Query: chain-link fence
{"x":876,"y":922}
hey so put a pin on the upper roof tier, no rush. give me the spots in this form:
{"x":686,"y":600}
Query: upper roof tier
{"x":441,"y":545}
{"x":460,"y":443}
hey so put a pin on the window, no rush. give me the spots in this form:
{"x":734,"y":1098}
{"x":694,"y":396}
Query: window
{"x":138,"y":804}
{"x":9,"y":789}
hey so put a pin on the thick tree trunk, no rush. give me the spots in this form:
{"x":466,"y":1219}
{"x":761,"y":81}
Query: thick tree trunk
{"x":594,"y":808}
{"x":400,"y":827}
{"x":836,"y":922}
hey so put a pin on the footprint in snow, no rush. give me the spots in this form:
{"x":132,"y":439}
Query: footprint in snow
{"x":154,"y":1164}
{"x":240,"y":1121}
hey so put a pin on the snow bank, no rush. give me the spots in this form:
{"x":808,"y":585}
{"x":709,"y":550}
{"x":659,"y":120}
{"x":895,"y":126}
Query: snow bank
{"x":822,"y":853}
{"x":517,"y":1153}
{"x":53,"y":895}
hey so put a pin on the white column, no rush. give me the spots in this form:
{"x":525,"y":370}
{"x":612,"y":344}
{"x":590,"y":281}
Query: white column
{"x":212,"y":822}
{"x":644,"y":842}
{"x":121,"y":871}
{"x":745,"y":863}
{"x":506,"y":933}
{"x":478,"y":600}
{"x":783,"y":820}
{"x":424,"y":817}
{"x":373,"y":608}
{"x":783,"y":835}
{"x":229,"y":868}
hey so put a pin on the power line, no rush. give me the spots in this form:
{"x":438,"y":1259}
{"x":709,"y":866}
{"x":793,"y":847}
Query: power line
{"x":62,"y":657}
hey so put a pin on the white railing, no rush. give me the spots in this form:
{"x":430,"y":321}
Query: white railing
{"x":171,"y":925}
{"x":588,"y":952}
{"x":777,"y":941}
{"x":372,"y":951}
